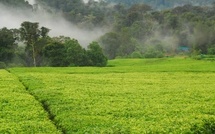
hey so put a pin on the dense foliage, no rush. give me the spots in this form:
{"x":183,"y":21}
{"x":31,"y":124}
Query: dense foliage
{"x":137,"y":31}
{"x":7,"y":45}
{"x":85,"y":15}
{"x":182,"y":30}
{"x":162,"y":4}
{"x":70,"y":53}
{"x":16,"y":3}
{"x":20,"y":111}
{"x":42,"y":50}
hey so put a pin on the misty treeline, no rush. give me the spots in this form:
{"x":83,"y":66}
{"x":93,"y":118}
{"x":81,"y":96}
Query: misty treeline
{"x":163,"y":4}
{"x":30,"y":45}
{"x":138,"y":30}
{"x":16,"y":3}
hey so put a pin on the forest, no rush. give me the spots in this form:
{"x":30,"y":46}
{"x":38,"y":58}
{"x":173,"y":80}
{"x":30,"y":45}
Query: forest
{"x":163,"y":4}
{"x":136,"y":29}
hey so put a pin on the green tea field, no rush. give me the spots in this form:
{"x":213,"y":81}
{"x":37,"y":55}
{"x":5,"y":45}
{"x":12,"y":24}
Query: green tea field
{"x":19,"y":111}
{"x":130,"y":96}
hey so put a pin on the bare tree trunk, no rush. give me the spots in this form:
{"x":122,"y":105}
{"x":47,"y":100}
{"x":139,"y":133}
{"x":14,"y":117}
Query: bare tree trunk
{"x":34,"y":56}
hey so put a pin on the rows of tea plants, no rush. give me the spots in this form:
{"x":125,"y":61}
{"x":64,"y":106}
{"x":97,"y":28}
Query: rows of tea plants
{"x":127,"y":99}
{"x":19,"y":111}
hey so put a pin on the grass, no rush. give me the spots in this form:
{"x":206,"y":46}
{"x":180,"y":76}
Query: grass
{"x":135,"y":65}
{"x":130,"y":96}
{"x":19,"y":111}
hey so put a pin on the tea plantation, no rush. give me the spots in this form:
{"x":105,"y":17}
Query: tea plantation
{"x":19,"y":111}
{"x":137,"y":96}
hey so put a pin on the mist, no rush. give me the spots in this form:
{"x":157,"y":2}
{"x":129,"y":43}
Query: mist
{"x":12,"y":18}
{"x":32,"y":2}
{"x":88,"y":0}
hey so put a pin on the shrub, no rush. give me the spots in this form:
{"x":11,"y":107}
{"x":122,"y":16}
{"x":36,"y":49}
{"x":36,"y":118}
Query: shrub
{"x":153,"y":54}
{"x":211,"y":51}
{"x":96,"y":56}
{"x":136,"y":54}
{"x":2,"y":65}
{"x":208,"y":127}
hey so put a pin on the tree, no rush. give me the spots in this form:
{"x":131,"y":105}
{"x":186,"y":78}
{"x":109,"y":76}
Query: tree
{"x":126,"y":47}
{"x":7,"y":45}
{"x":136,"y":13}
{"x":111,"y":43}
{"x":172,"y":21}
{"x":61,"y":39}
{"x":95,"y":55}
{"x":140,"y":8}
{"x":201,"y":41}
{"x":39,"y":46}
{"x":30,"y":34}
{"x":17,"y":4}
{"x":44,"y":32}
{"x":55,"y":52}
{"x":153,"y":52}
{"x":74,"y":53}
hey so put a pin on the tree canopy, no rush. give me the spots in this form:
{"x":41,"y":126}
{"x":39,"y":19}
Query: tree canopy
{"x":7,"y":45}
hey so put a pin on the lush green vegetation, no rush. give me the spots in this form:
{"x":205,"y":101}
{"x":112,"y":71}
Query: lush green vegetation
{"x":130,"y":96}
{"x":136,"y":31}
{"x":20,"y":112}
{"x":140,"y":30}
{"x":162,"y":4}
{"x":16,"y":3}
{"x":42,"y":50}
{"x":166,"y":95}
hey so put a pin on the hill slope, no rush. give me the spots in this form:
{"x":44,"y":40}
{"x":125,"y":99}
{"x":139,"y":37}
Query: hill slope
{"x":160,"y":4}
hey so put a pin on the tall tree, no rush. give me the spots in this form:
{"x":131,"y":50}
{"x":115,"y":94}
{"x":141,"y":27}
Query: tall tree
{"x":7,"y":45}
{"x":110,"y":43}
{"x":74,"y":52}
{"x":55,"y":52}
{"x":30,"y":34}
{"x":95,"y":55}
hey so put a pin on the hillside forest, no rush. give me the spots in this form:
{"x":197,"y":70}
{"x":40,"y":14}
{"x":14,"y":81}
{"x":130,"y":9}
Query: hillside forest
{"x":133,"y":29}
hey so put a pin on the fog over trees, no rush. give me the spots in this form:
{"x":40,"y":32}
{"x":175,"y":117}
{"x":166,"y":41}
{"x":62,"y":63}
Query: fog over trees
{"x":131,"y":28}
